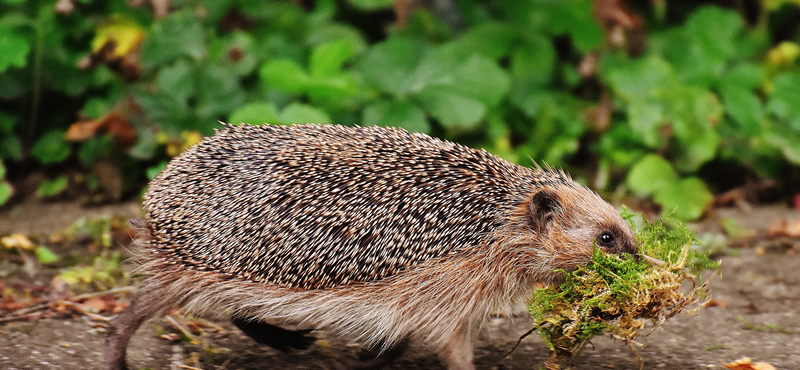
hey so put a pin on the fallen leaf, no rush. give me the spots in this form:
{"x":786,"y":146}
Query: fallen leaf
{"x":17,"y":241}
{"x":744,"y":363}
{"x":734,"y":229}
{"x":96,"y":304}
{"x":721,"y":303}
{"x":172,"y":337}
{"x":783,"y":227}
{"x":112,"y":123}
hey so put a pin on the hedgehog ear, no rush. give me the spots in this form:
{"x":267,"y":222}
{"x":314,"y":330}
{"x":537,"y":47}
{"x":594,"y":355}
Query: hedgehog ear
{"x":544,"y":205}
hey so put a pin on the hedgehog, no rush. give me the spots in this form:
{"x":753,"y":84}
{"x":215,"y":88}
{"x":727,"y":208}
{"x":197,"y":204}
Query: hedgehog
{"x":375,"y":233}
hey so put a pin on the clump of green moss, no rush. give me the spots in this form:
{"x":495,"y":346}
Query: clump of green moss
{"x":618,"y":295}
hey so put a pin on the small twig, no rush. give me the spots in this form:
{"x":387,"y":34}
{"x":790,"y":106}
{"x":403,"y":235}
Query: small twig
{"x":224,"y":365}
{"x":22,"y":313}
{"x":527,"y":333}
{"x":653,"y":261}
{"x":184,"y":366}
{"x":124,"y":289}
{"x":184,"y":330}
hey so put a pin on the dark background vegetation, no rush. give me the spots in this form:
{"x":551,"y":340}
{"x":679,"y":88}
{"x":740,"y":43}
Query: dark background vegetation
{"x":678,"y":103}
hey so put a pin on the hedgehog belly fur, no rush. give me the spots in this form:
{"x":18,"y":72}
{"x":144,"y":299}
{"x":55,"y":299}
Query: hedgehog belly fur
{"x":423,"y":304}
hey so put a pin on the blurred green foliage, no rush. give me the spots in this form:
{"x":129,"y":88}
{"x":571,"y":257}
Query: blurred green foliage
{"x":527,"y":80}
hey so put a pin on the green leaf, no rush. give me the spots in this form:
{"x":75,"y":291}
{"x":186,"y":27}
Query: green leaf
{"x":557,"y":18}
{"x":332,"y":89}
{"x":492,"y":40}
{"x":163,"y":109}
{"x":285,"y":75}
{"x":460,"y":97}
{"x":45,"y":256}
{"x":436,"y":68}
{"x":481,"y":79}
{"x":328,"y":58}
{"x":697,"y":149}
{"x":645,"y":118}
{"x":218,"y":94}
{"x":51,"y":147}
{"x":178,"y":80}
{"x":787,"y":140}
{"x":370,"y":5}
{"x":50,"y":188}
{"x":15,"y":49}
{"x":701,"y":48}
{"x":302,"y":113}
{"x":639,"y":79}
{"x":393,"y":113}
{"x":785,"y":98}
{"x":320,"y":33}
{"x":715,"y":27}
{"x":6,"y":191}
{"x":255,"y":113}
{"x":96,"y":107}
{"x":177,"y":35}
{"x":11,"y":147}
{"x":153,"y":171}
{"x":745,"y":75}
{"x":688,"y":198}
{"x":2,"y":170}
{"x":533,"y":62}
{"x":146,"y":145}
{"x":745,"y":108}
{"x":95,"y":148}
{"x":693,"y":111}
{"x":7,"y":122}
{"x":651,"y":174}
{"x":452,"y":110}
{"x":389,"y":64}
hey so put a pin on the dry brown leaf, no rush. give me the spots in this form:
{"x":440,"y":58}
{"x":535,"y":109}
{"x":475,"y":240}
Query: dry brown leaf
{"x":744,"y":363}
{"x":783,"y":227}
{"x":96,"y":304}
{"x":721,"y":303}
{"x":112,"y":123}
{"x":17,"y":241}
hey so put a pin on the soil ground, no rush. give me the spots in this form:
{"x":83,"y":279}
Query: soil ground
{"x":758,"y":316}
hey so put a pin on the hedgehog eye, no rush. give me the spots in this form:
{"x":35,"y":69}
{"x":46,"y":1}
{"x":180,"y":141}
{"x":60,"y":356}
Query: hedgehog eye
{"x":606,"y":238}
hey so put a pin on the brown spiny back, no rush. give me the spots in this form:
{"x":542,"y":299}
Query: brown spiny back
{"x":320,"y":206}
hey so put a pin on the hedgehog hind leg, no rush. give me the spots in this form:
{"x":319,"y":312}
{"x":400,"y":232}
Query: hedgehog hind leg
{"x":274,"y":336}
{"x":150,"y":299}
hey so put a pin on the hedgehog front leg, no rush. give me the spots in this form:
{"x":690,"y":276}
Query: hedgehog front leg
{"x":149,"y":300}
{"x":457,"y":353}
{"x":274,"y":336}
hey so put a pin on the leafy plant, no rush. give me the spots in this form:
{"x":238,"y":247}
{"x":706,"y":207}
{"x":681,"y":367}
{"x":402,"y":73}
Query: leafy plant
{"x":50,"y":188}
{"x":6,"y":191}
{"x":103,"y":274}
{"x":528,"y":80}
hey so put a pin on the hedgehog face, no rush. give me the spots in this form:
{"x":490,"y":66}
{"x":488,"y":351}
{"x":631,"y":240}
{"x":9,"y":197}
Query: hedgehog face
{"x":571,"y":221}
